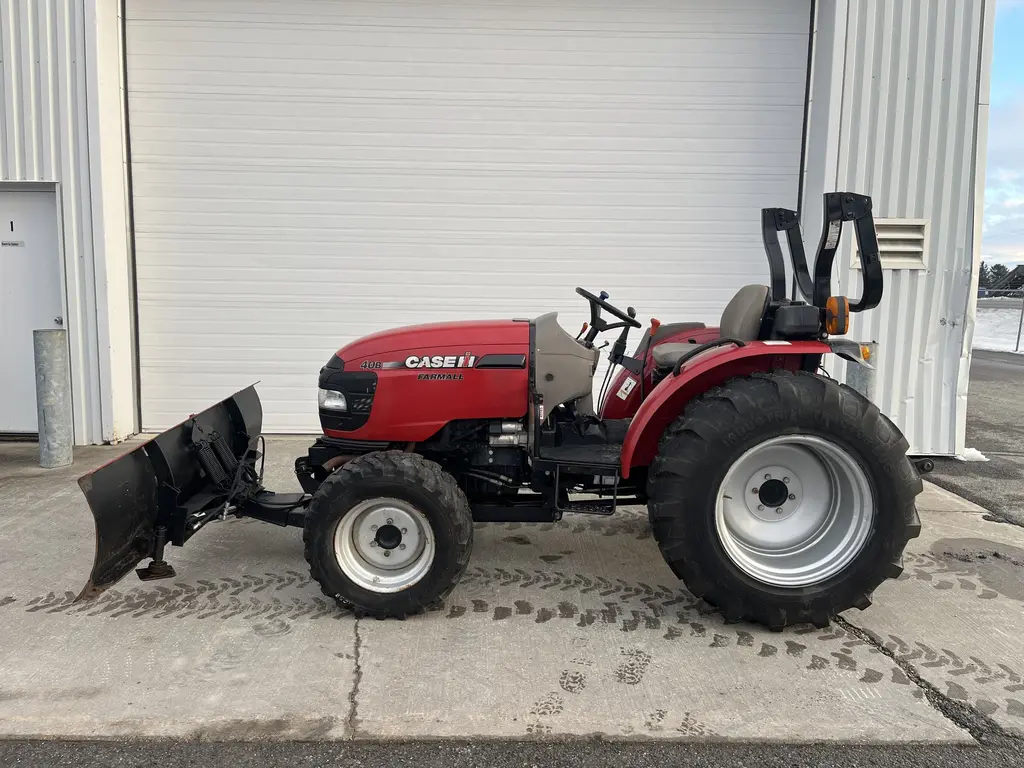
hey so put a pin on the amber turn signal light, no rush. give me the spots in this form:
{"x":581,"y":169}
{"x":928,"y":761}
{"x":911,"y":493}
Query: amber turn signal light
{"x":837,"y":315}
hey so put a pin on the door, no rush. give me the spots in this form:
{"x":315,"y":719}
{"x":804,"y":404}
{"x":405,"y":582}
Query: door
{"x":306,"y":173}
{"x":30,"y":298}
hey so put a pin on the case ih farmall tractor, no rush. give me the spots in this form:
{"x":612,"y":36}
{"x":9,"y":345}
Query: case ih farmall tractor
{"x":774,"y":492}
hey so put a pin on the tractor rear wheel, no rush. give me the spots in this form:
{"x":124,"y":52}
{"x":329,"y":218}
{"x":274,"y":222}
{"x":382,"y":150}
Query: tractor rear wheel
{"x":783,"y":498}
{"x":388,"y":534}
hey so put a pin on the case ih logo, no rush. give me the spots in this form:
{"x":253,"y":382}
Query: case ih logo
{"x":440,"y":361}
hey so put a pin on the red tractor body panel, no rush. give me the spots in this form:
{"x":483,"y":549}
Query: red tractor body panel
{"x":710,"y":369}
{"x":421,"y":338}
{"x":429,"y":375}
{"x":623,"y":400}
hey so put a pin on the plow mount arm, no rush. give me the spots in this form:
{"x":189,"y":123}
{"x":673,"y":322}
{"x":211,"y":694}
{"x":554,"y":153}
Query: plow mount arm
{"x":168,"y":488}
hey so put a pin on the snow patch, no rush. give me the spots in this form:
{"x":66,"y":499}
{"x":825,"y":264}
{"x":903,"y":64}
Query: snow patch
{"x":995,"y":329}
{"x":973,"y":454}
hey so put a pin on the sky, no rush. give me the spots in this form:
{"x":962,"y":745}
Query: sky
{"x":1003,"y":228}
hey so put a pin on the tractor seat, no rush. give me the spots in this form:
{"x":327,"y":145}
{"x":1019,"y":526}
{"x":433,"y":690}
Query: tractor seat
{"x":667,"y":329}
{"x":666,"y":355}
{"x":741,"y":320}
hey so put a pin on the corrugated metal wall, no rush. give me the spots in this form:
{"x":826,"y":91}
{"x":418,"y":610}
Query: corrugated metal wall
{"x":907,"y":137}
{"x":44,"y":137}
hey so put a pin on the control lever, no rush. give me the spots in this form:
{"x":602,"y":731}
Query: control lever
{"x":618,"y":353}
{"x":582,"y":331}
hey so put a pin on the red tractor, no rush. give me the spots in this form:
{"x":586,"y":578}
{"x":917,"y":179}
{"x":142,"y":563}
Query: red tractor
{"x":774,"y":492}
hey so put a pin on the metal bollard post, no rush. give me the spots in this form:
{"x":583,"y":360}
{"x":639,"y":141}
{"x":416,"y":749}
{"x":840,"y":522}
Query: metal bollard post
{"x":1020,"y":324}
{"x":861,"y":377}
{"x":53,"y":398}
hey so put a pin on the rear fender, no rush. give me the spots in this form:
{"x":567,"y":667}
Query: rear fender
{"x":699,"y":375}
{"x":624,"y":398}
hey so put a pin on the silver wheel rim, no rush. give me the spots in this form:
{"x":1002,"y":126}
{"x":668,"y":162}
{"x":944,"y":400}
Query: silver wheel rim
{"x":384,"y":545}
{"x":818,"y":520}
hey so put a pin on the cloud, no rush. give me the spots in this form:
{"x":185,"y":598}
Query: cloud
{"x":1003,"y":229}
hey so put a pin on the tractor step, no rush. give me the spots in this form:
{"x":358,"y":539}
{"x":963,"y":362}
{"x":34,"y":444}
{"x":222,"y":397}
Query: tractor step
{"x":600,"y":456}
{"x":599,"y":507}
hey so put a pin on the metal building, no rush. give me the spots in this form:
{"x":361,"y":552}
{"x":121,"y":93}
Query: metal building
{"x":207,"y":193}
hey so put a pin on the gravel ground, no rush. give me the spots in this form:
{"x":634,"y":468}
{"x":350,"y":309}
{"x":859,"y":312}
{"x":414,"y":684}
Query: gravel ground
{"x":995,"y":426}
{"x":567,"y":754}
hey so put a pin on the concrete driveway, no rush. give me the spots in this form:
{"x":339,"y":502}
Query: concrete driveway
{"x":570,"y":629}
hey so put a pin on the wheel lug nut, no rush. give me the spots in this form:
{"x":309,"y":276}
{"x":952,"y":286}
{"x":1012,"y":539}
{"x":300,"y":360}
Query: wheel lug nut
{"x":792,"y":496}
{"x":401,"y":546}
{"x":373,"y":527}
{"x":778,"y":511}
{"x":753,"y":490}
{"x":373,"y":543}
{"x":387,"y":553}
{"x":390,"y":521}
{"x":760,"y":507}
{"x":405,"y":530}
{"x":767,"y":477}
{"x":785,"y":479}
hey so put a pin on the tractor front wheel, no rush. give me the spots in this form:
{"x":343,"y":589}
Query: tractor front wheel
{"x":388,"y":534}
{"x":783,"y":498}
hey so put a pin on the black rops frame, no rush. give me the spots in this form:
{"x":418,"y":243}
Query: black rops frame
{"x":839,"y":207}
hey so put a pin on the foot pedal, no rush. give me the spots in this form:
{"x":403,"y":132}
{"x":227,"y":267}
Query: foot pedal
{"x":157,"y":569}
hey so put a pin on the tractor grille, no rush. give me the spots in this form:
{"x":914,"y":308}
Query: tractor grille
{"x":360,"y":403}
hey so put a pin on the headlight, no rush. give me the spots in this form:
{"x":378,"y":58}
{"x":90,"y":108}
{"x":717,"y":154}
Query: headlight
{"x":332,"y":401}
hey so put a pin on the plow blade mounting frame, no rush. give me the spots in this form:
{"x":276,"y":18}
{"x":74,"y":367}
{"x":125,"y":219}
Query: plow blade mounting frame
{"x":169,"y":487}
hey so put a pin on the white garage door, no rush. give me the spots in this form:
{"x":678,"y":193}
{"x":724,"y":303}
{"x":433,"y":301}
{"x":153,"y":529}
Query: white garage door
{"x":308,"y":172}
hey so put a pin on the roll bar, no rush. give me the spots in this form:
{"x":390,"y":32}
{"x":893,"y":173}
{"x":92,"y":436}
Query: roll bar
{"x":773,"y":221}
{"x":839,"y":207}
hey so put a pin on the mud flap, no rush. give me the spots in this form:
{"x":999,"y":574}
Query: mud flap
{"x":174,"y":484}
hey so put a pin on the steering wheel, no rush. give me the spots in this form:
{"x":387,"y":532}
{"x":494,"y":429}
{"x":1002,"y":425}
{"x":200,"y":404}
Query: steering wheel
{"x":596,"y":301}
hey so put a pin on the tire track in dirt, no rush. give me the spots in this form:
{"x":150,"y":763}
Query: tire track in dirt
{"x":628,"y":606}
{"x":252,"y":596}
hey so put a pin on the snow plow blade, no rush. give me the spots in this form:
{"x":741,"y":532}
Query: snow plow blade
{"x":169,"y":487}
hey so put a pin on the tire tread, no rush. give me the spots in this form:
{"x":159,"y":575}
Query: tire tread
{"x":678,"y":491}
{"x":404,"y":468}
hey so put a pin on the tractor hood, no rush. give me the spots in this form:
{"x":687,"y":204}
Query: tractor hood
{"x":473,"y":337}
